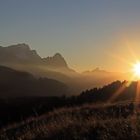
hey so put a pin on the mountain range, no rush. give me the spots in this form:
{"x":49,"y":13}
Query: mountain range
{"x":21,"y":53}
{"x":15,"y":83}
{"x":21,"y":57}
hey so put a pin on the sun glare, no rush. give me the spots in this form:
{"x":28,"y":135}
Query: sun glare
{"x":136,"y":69}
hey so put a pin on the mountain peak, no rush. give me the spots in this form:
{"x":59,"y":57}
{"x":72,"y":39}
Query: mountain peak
{"x":56,"y":61}
{"x":95,"y":71}
{"x":23,"y":54}
{"x":21,"y":46}
{"x":58,"y":55}
{"x":18,"y":53}
{"x":99,"y":70}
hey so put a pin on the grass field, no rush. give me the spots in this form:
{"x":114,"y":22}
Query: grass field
{"x":86,"y":122}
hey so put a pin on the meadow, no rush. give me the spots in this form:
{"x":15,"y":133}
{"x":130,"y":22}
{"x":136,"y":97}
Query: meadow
{"x":85,"y":122}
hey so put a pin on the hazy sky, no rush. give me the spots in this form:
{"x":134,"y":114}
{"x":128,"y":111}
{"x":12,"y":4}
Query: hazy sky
{"x":88,"y":33}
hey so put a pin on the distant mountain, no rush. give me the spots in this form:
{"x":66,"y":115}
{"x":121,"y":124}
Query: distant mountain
{"x":21,"y":57}
{"x":15,"y":83}
{"x":96,"y":71}
{"x":100,"y":74}
{"x":56,"y":61}
{"x":20,"y":53}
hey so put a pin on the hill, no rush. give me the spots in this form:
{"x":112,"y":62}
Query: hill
{"x":116,"y":91}
{"x":18,"y":109}
{"x":15,"y":83}
{"x":87,"y":122}
{"x":107,"y":113}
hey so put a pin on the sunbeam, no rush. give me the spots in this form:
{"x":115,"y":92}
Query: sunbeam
{"x":119,"y":91}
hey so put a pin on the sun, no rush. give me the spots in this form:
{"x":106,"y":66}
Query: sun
{"x":136,"y":69}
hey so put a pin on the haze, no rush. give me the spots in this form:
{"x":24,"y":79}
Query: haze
{"x":88,"y":33}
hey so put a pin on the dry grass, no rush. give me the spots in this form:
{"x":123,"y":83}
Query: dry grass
{"x":87,"y":122}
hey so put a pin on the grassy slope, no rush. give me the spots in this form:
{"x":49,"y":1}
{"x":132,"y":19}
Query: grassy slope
{"x":87,"y":122}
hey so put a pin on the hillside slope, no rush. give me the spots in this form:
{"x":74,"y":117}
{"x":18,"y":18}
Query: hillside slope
{"x":87,"y":122}
{"x":15,"y":83}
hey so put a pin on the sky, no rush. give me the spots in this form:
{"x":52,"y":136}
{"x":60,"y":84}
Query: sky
{"x":88,"y":33}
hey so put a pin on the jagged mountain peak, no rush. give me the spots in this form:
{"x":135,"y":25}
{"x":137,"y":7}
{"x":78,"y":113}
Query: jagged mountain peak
{"x":18,"y":53}
{"x":22,"y":54}
{"x":21,"y":46}
{"x":58,"y":55}
{"x":56,"y":61}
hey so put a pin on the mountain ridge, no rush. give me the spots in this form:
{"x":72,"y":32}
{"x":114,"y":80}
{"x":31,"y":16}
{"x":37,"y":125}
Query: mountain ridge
{"x":22,"y":57}
{"x":24,"y":54}
{"x":56,"y":60}
{"x":14,"y":83}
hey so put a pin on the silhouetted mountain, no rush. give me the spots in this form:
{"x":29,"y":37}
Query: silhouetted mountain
{"x":16,"y":83}
{"x":96,"y":71}
{"x":56,"y":61}
{"x":21,"y":53}
{"x":21,"y":57}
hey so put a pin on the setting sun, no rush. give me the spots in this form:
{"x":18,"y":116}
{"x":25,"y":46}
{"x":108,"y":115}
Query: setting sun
{"x":136,"y":69}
